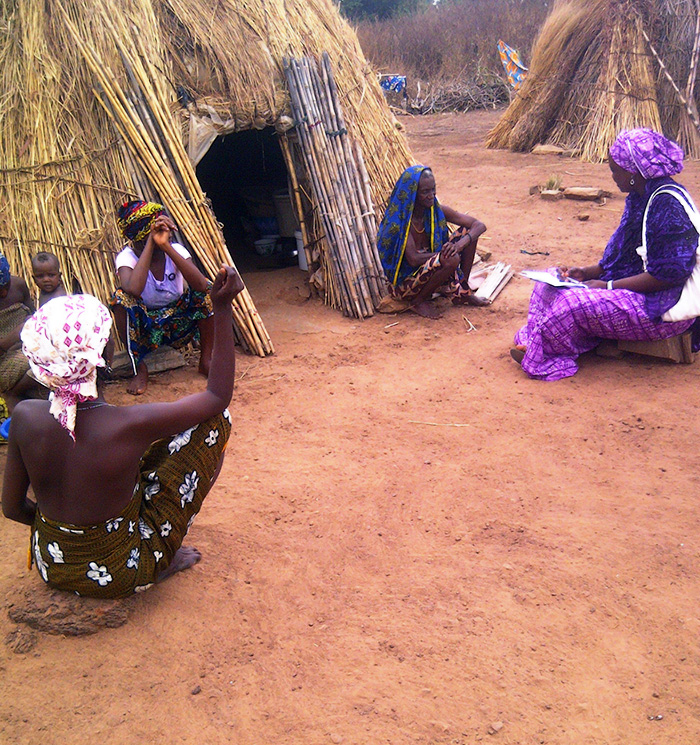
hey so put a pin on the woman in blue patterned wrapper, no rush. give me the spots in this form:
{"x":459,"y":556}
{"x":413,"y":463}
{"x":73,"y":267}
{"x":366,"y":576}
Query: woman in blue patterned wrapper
{"x":153,"y":307}
{"x":418,"y":255}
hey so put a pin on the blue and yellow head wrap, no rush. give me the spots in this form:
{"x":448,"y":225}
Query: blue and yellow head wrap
{"x":393,"y":230}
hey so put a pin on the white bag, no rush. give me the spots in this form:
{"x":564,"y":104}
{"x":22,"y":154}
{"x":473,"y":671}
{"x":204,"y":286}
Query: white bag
{"x":688,"y":305}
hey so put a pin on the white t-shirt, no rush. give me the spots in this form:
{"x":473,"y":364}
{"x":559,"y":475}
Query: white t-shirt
{"x":157,"y":293}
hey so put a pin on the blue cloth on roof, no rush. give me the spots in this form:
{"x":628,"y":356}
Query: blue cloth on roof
{"x":393,"y":230}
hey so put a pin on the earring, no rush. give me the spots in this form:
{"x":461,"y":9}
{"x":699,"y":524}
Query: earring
{"x":631,"y":182}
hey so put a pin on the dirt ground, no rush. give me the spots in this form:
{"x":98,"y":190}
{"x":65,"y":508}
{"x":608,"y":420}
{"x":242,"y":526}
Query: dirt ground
{"x":412,"y":542}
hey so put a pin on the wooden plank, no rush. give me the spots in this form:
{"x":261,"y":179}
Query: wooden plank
{"x":677,"y":348}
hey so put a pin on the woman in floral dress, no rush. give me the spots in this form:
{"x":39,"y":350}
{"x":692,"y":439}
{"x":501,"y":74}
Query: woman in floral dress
{"x":116,"y":487}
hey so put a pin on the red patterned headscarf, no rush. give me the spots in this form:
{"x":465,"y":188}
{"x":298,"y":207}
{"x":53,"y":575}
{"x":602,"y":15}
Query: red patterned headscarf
{"x":135,"y":219}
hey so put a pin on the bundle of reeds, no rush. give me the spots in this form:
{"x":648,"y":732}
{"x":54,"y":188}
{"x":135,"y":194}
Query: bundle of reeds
{"x":595,"y":71}
{"x":143,"y":119}
{"x":677,"y":64}
{"x":146,"y":125}
{"x":569,"y":31}
{"x":59,"y":177}
{"x":97,"y":103}
{"x":336,"y":170}
{"x":249,"y":88}
{"x":616,"y":88}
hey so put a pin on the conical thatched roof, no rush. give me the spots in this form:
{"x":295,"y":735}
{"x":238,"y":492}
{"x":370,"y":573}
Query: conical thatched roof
{"x":600,"y":66}
{"x":98,"y":102}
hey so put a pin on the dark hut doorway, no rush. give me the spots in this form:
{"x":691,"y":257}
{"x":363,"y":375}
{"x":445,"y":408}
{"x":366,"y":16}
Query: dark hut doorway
{"x":245,"y":177}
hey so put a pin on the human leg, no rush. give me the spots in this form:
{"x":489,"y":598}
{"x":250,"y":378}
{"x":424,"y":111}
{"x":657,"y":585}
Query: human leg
{"x":176,"y":475}
{"x":466,"y":296}
{"x":130,"y":320}
{"x":574,"y":322}
{"x":418,"y":289}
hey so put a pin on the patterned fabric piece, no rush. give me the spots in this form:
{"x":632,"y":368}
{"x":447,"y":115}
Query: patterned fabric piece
{"x":394,"y":83}
{"x":125,"y":554}
{"x":647,"y":152}
{"x":4,"y":271}
{"x":411,"y":287}
{"x":564,"y":323}
{"x":393,"y":230}
{"x":4,"y":420}
{"x":671,"y":243}
{"x":134,"y":219}
{"x":515,"y":70}
{"x":174,"y":325}
{"x":13,"y":363}
{"x":63,"y":342}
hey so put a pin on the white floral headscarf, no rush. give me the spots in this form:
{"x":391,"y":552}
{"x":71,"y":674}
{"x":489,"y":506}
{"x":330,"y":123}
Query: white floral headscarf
{"x":63,"y":342}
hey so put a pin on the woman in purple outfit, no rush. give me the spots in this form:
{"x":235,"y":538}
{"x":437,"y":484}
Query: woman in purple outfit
{"x":623,"y":298}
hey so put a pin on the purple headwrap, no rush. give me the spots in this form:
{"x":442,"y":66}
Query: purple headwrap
{"x":647,"y":152}
{"x":4,"y":271}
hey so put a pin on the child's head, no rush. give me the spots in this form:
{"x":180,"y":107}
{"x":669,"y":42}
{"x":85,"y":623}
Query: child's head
{"x":46,"y":271}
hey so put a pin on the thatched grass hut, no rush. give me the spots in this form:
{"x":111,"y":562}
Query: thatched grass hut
{"x":600,"y":66}
{"x":107,"y":100}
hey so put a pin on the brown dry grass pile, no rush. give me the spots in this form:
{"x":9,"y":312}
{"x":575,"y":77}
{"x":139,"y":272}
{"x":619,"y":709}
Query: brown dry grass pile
{"x":593,"y":74}
{"x":91,"y":115}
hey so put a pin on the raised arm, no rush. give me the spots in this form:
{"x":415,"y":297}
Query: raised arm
{"x":161,"y":233}
{"x":133,"y":280}
{"x":149,"y":422}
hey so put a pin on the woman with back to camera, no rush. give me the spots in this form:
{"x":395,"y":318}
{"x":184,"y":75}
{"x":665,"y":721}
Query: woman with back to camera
{"x":116,"y":487}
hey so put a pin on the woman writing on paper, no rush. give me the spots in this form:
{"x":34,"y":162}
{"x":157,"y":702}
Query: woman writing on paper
{"x":625,"y":296}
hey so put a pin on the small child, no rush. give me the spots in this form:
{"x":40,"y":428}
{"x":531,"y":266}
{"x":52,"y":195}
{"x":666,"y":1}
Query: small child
{"x":47,"y":276}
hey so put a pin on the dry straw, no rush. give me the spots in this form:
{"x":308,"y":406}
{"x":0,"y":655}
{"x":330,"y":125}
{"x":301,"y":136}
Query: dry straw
{"x":97,"y":102}
{"x":597,"y":69}
{"x":339,"y":184}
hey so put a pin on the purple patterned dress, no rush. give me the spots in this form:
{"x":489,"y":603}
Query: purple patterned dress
{"x":564,"y":323}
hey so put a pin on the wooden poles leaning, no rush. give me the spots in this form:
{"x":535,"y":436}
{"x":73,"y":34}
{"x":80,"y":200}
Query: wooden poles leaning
{"x":144,"y":121}
{"x":339,"y":185}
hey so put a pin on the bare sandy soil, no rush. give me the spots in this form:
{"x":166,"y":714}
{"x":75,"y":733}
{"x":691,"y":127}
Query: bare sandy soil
{"x":374,"y":573}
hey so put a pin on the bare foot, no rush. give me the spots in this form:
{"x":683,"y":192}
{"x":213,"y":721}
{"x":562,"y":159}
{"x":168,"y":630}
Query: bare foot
{"x":426,"y":309}
{"x":138,"y":384}
{"x":185,"y":557}
{"x":478,"y":302}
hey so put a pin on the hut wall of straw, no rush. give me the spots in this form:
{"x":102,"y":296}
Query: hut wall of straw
{"x":601,"y":66}
{"x":94,"y":113}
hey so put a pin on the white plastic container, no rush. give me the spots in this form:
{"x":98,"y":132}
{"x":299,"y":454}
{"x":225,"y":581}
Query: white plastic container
{"x":301,"y":253}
